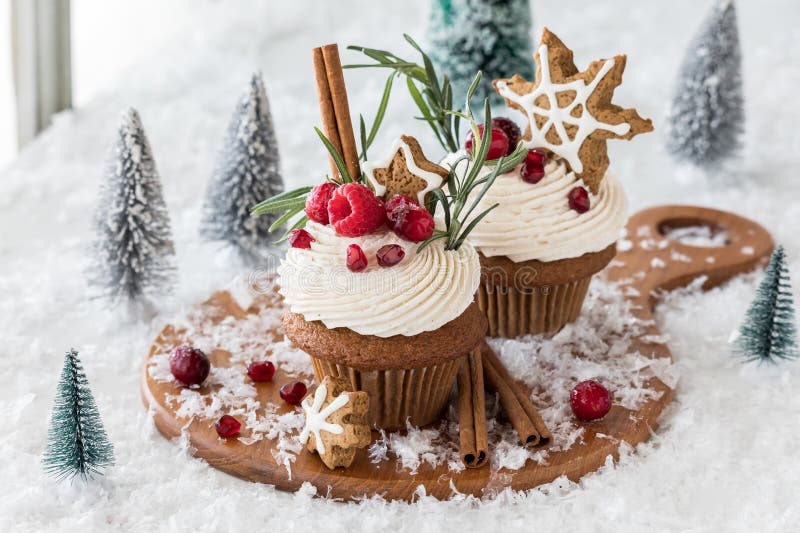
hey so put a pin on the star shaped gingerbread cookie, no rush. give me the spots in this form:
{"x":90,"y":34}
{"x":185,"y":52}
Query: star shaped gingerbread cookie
{"x":570,"y":112}
{"x":406,"y":171}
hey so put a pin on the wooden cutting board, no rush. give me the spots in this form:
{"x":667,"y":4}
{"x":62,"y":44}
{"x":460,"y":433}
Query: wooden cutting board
{"x":649,"y":262}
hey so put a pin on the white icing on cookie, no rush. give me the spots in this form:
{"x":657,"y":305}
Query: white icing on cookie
{"x":431,"y":179}
{"x":316,"y":417}
{"x":557,"y":117}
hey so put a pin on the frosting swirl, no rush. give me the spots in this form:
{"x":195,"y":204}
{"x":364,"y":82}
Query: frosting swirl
{"x":423,"y":292}
{"x":534,"y":221}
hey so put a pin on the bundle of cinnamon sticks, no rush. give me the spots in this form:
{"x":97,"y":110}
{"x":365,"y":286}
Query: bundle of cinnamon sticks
{"x":483,"y":367}
{"x":335,"y":110}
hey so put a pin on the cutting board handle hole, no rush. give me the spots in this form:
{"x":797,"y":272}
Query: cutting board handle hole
{"x":695,"y":232}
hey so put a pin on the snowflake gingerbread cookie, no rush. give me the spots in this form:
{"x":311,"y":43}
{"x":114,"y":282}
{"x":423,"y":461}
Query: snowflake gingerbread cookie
{"x":406,"y":171}
{"x":336,"y":423}
{"x":570,"y":112}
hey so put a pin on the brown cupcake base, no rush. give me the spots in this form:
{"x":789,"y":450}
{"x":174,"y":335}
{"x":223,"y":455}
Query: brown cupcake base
{"x":533,"y":297}
{"x":407,"y":378}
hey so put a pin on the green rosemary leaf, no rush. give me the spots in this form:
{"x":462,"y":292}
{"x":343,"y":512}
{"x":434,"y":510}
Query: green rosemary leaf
{"x":435,"y":237}
{"x":301,"y":223}
{"x":468,"y":229}
{"x":274,"y":205}
{"x":441,"y":197}
{"x":302,"y":191}
{"x":423,"y":108}
{"x":387,"y":91}
{"x":284,"y":218}
{"x":337,"y":157}
{"x":362,"y":129}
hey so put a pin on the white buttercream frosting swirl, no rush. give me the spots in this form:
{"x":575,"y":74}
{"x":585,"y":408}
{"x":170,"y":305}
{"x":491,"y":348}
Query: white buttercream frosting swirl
{"x":423,"y":292}
{"x":534,"y":221}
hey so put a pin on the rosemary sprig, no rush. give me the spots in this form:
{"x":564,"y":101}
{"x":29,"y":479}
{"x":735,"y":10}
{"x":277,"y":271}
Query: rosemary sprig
{"x":457,"y":203}
{"x":367,"y":139}
{"x":433,"y":97}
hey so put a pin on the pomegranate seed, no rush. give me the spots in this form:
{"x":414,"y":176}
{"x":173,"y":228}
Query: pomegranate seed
{"x":511,"y":130}
{"x":498,"y":144}
{"x":189,"y":365}
{"x":356,"y":260}
{"x":390,"y":255}
{"x":590,"y":400}
{"x":533,"y":167}
{"x":579,"y":199}
{"x":261,"y":371}
{"x":300,"y":238}
{"x":293,"y":392}
{"x":228,"y":427}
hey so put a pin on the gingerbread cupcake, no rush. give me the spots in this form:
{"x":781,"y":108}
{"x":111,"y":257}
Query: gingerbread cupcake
{"x":368,"y":303}
{"x":559,"y":213}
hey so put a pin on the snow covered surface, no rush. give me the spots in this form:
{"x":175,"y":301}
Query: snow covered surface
{"x":725,"y":456}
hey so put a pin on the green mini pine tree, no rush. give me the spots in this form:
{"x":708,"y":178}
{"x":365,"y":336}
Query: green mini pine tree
{"x":77,"y":441}
{"x":493,"y":36}
{"x":769,"y":331}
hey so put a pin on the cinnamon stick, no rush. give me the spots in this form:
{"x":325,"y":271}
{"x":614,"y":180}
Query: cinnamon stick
{"x":515,"y":401}
{"x":329,"y":127}
{"x":472,"y":429}
{"x":333,"y":103}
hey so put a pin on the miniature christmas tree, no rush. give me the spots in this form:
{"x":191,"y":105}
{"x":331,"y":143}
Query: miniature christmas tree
{"x":77,"y":442}
{"x":769,"y":331}
{"x":133,"y":250}
{"x":247,"y":172}
{"x":706,"y":118}
{"x":493,"y":36}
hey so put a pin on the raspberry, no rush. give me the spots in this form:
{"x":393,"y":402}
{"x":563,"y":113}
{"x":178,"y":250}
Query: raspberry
{"x":413,"y":223}
{"x":354,"y":210}
{"x":590,"y":400}
{"x":511,"y":130}
{"x":356,"y":259}
{"x":390,"y":255}
{"x":498,"y":145}
{"x":579,"y":199}
{"x":317,"y":202}
{"x":300,"y":238}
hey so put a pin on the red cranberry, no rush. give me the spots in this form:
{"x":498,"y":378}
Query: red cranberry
{"x":261,"y":371}
{"x":590,"y":400}
{"x":579,"y":199}
{"x":413,"y":223}
{"x":533,"y":167}
{"x":511,"y":130}
{"x":498,"y":145}
{"x":356,"y":259}
{"x":300,"y":238}
{"x":228,"y":427}
{"x":189,"y":365}
{"x":396,"y":205}
{"x":390,"y":255}
{"x":293,"y":392}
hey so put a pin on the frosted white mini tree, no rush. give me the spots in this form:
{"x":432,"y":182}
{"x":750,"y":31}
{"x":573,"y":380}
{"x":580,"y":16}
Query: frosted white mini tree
{"x":706,"y":118}
{"x":248,"y":171}
{"x":133,"y":249}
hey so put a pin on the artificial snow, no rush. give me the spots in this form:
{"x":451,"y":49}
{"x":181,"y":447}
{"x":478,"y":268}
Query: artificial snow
{"x":724,"y":456}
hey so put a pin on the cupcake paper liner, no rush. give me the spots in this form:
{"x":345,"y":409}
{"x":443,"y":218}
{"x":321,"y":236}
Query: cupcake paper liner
{"x":512,"y":312}
{"x":416,"y":395}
